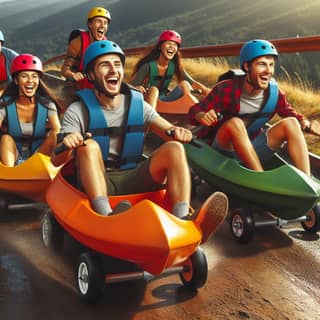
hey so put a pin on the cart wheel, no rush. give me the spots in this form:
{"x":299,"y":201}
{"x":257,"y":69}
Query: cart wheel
{"x":242,"y":224}
{"x":51,"y":232}
{"x":312,"y":224}
{"x":90,"y":278}
{"x":196,"y":271}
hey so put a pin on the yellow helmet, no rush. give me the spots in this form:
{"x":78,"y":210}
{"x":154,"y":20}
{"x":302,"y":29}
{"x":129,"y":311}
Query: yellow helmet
{"x":99,"y":12}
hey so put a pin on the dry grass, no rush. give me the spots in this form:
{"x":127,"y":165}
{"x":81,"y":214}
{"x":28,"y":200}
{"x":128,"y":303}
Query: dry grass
{"x":205,"y":70}
{"x":305,"y":99}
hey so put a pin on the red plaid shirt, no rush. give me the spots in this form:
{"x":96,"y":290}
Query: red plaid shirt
{"x":225,"y":99}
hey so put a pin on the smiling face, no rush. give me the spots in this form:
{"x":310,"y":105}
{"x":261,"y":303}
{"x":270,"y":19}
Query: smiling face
{"x":107,"y":74}
{"x":169,"y":49}
{"x":28,"y":83}
{"x":98,"y":27}
{"x":260,"y":71}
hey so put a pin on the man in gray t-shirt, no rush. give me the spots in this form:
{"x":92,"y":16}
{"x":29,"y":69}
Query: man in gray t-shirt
{"x":104,"y":65}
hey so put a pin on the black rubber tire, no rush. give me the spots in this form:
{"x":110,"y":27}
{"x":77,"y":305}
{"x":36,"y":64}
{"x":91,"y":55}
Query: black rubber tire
{"x":52,"y":233}
{"x":242,"y":224}
{"x":312,"y":224}
{"x":90,"y":278}
{"x":196,"y":273}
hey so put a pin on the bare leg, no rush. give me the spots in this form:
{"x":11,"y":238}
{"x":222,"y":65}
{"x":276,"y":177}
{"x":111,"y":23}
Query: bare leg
{"x":152,"y":96}
{"x":91,"y":167}
{"x":233,"y":136}
{"x":169,"y":164}
{"x":8,"y":150}
{"x":289,"y":130}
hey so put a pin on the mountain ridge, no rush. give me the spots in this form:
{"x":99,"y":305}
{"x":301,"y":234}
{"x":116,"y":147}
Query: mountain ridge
{"x":204,"y":22}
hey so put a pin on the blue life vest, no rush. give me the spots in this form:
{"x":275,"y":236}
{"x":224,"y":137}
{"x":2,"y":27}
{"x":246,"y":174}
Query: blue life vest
{"x":264,"y":114}
{"x":39,"y":127}
{"x":133,"y":131}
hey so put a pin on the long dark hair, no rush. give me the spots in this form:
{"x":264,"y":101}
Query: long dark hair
{"x":154,"y":54}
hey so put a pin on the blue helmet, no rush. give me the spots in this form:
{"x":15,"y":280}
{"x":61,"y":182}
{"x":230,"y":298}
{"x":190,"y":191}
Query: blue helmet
{"x":256,"y":48}
{"x":1,"y":36}
{"x":100,"y":48}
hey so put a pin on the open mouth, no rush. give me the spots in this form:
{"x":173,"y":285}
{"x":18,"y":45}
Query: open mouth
{"x":100,"y":33}
{"x":29,"y":89}
{"x":264,"y":79}
{"x":170,"y":53}
{"x":112,"y":83}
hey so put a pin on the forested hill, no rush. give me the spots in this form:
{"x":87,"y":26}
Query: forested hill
{"x":44,"y":27}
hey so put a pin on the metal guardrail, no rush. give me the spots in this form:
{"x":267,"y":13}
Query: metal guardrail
{"x":288,"y":45}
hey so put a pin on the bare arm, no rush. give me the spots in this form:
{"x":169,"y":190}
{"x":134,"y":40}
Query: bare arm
{"x":161,"y":126}
{"x":72,"y":61}
{"x":202,"y":88}
{"x":208,"y":118}
{"x":70,"y":142}
{"x":312,"y":126}
{"x":51,"y":139}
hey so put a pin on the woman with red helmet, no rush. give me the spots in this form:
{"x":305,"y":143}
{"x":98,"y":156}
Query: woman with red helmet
{"x":154,"y":72}
{"x":28,"y":116}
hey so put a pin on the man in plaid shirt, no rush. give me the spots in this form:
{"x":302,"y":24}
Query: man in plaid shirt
{"x":236,"y":110}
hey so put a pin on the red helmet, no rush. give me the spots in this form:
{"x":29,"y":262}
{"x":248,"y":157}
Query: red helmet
{"x":25,"y":62}
{"x":170,"y":35}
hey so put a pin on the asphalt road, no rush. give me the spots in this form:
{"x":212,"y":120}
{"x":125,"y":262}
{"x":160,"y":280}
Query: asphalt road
{"x":275,"y":276}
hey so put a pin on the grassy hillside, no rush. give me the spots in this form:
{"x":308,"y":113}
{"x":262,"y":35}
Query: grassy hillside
{"x":200,"y":22}
{"x":14,"y":15}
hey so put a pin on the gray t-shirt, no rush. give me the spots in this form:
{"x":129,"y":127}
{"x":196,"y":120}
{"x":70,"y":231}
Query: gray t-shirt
{"x":251,"y":104}
{"x":75,"y":119}
{"x":27,"y":127}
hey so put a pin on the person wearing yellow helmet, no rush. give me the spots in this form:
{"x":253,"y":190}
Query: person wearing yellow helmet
{"x":98,"y":20}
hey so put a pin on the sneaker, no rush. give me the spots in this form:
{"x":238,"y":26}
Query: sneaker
{"x":121,"y":207}
{"x":212,"y":214}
